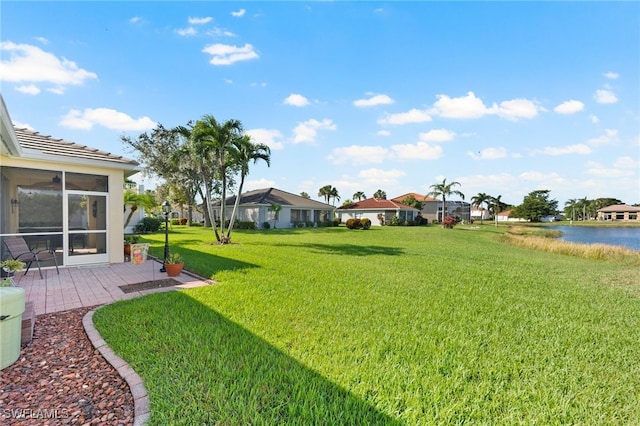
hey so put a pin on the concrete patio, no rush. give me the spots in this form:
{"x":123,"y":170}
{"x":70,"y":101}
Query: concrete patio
{"x":85,"y":286}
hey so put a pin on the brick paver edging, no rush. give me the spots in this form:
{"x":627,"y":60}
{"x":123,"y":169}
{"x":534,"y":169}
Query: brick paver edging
{"x":139,"y":392}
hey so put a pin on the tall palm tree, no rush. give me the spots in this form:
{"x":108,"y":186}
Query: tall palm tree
{"x":359,"y":196}
{"x":478,"y":200}
{"x":380,"y":195}
{"x":325,"y":192}
{"x":245,"y":152}
{"x":444,"y":190}
{"x":572,"y":203}
{"x":334,"y":195}
{"x":214,"y":146}
{"x":496,"y":206}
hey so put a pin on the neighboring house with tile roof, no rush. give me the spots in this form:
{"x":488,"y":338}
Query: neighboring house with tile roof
{"x":622,"y":212}
{"x":432,"y":207}
{"x":62,"y":196}
{"x":255,"y":206}
{"x":379,"y":211}
{"x":504,"y":217}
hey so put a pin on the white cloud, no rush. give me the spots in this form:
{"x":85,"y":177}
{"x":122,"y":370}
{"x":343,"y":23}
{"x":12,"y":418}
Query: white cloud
{"x":105,"y":117}
{"x":412,"y":116}
{"x":135,"y":20}
{"x":30,"y":89}
{"x":594,"y":119}
{"x":610,"y":137}
{"x":605,"y":96}
{"x":517,"y":108}
{"x":373,"y":101}
{"x":626,"y":163}
{"x":580,"y":148}
{"x":541,"y":177}
{"x":19,"y":125}
{"x":189,"y":31}
{"x":383,"y":133}
{"x":470,"y":106}
{"x":611,"y":75}
{"x":225,"y":54}
{"x":30,"y":64}
{"x":598,"y":170}
{"x":200,"y":21}
{"x":296,"y":99}
{"x":358,"y":154}
{"x":42,"y":40}
{"x":417,"y":151}
{"x":219,"y":32}
{"x":489,"y":154}
{"x":308,"y":130}
{"x":250,"y":185}
{"x":437,"y":135}
{"x":569,"y":107}
{"x":239,"y":13}
{"x":380,"y":177}
{"x":463,"y":107}
{"x":269,"y":137}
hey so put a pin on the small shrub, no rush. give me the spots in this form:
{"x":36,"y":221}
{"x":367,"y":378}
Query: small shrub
{"x":266,"y":225}
{"x":366,"y":223}
{"x":353,"y":223}
{"x":336,"y":222}
{"x":244,"y":224}
{"x":298,"y":224}
{"x":395,"y":221}
{"x":449,"y":222}
{"x":148,"y":225}
{"x":309,"y":224}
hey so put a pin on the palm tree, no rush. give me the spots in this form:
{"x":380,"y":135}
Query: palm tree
{"x":572,"y":203}
{"x":380,"y":195}
{"x":478,"y":200}
{"x":496,"y":205}
{"x":245,"y":151}
{"x":359,"y":196}
{"x":328,"y":192}
{"x":275,"y":208}
{"x":135,"y":201}
{"x":214,"y":146}
{"x":305,"y":195}
{"x":334,"y":195}
{"x":444,"y":190}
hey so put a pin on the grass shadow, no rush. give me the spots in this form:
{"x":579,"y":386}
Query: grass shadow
{"x":201,"y":368}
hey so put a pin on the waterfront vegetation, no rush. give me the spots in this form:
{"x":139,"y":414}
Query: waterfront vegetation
{"x":394,"y":325}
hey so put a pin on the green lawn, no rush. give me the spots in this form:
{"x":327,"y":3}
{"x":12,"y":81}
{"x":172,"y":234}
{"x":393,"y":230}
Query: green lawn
{"x":392,"y":325}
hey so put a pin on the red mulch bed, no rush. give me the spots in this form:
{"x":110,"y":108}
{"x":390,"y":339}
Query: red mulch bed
{"x":60,"y":378}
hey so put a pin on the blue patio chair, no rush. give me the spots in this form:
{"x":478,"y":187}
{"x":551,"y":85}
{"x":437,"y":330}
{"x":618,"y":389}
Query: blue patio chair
{"x":19,"y":250}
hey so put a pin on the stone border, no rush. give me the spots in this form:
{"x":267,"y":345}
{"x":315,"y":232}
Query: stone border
{"x":140,"y":396}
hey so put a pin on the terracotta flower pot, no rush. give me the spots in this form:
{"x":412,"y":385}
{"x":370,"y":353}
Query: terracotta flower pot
{"x":173,"y":269}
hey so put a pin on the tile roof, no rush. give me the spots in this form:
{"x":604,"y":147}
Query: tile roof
{"x":48,"y":145}
{"x":418,"y":197}
{"x":268,"y":196}
{"x":619,"y":208}
{"x":376,"y":204}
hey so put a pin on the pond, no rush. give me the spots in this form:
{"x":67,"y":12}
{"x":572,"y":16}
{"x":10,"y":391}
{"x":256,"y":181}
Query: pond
{"x":626,"y":237}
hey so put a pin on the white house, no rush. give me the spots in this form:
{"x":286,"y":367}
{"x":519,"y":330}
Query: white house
{"x":378,"y":211}
{"x":61,"y":196}
{"x":256,"y":206}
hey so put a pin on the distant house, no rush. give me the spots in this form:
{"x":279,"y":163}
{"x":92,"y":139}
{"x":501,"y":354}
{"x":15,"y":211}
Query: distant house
{"x":376,"y":208}
{"x":432,"y":207}
{"x":255,"y":206}
{"x":619,"y":212}
{"x":504,"y":217}
{"x":479,"y":213}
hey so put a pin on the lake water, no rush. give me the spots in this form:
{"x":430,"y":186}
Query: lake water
{"x":627,"y":237}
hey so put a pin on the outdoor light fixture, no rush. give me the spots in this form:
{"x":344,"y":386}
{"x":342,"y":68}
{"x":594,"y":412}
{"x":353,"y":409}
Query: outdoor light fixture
{"x":166,"y":208}
{"x":14,"y":204}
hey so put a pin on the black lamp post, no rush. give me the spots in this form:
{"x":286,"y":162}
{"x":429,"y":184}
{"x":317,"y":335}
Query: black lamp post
{"x":166,"y":208}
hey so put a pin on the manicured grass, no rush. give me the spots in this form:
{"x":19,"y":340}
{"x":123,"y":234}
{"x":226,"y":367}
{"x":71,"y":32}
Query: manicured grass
{"x":392,"y":325}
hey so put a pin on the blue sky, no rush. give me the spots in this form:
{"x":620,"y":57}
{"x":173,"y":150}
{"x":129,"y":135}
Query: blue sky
{"x":503,"y":97}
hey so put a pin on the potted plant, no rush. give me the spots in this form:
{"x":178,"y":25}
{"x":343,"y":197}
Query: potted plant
{"x":174,"y":264}
{"x":128,"y":240}
{"x":9,"y":268}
